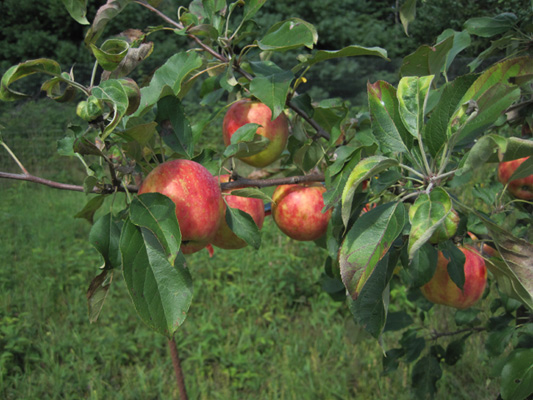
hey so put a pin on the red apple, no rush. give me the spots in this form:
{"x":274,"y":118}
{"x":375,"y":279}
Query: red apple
{"x":442,"y":290}
{"x":196,"y":193}
{"x":245,"y":112}
{"x":225,"y":238}
{"x":520,"y":188}
{"x":297,"y":211}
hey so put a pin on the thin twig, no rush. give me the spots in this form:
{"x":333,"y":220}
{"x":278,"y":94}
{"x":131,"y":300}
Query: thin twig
{"x":180,"y":380}
{"x":259,"y":183}
{"x":437,"y":335}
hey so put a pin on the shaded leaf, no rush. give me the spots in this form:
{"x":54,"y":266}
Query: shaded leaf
{"x":104,"y":236}
{"x":367,"y":242}
{"x":161,"y":292}
{"x":77,"y":10}
{"x":289,"y":34}
{"x":134,"y":57}
{"x":97,"y":294}
{"x":426,"y":372}
{"x":243,"y":225}
{"x":19,"y":71}
{"x":517,"y":375}
{"x":254,"y":193}
{"x":427,"y":60}
{"x":272,"y":90}
{"x":397,"y":321}
{"x":90,"y":208}
{"x":407,"y":14}
{"x":174,"y":127}
{"x":113,"y":93}
{"x":104,"y":14}
{"x":349,"y":51}
{"x":111,"y":53}
{"x":421,"y":267}
{"x":490,"y":26}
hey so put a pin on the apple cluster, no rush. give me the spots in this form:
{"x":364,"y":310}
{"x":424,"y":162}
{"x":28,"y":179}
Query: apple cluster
{"x":201,"y":205}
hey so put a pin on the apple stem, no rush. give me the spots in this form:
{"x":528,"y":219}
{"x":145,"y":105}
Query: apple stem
{"x":180,"y":380}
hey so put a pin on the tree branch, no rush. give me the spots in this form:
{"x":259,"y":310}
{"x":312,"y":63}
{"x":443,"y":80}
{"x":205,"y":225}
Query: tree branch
{"x":435,"y":335}
{"x":107,"y":189}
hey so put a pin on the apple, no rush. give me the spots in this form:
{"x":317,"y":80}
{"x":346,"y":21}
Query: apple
{"x":224,"y":237}
{"x":521,"y":188}
{"x":245,"y":112}
{"x":297,"y":211}
{"x":198,"y":199}
{"x":442,"y":290}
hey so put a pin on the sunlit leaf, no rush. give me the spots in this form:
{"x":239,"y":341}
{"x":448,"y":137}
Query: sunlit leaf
{"x":272,"y":90}
{"x":110,"y":53}
{"x":113,"y":93}
{"x":349,"y":51}
{"x":289,"y":34}
{"x":517,"y":375}
{"x":243,"y":225}
{"x":412,"y":96}
{"x":367,"y":242}
{"x":16,"y":72}
{"x":77,"y":10}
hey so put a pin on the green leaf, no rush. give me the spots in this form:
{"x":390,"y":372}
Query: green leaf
{"x":515,"y":148}
{"x":245,"y":133}
{"x":243,"y":225}
{"x":308,"y":156}
{"x":272,"y":90}
{"x":365,"y":169}
{"x":16,"y":72}
{"x":168,"y":79}
{"x":491,"y":26}
{"x":488,"y":97}
{"x":161,"y":292}
{"x":412,"y":344}
{"x":335,"y":183}
{"x":246,"y":149}
{"x":426,"y":214}
{"x":349,"y":51}
{"x":517,"y":375}
{"x":407,"y":14}
{"x":461,"y":40}
{"x":77,"y":10}
{"x":57,"y":90}
{"x":367,"y":242}
{"x":426,"y":372}
{"x":173,"y":126}
{"x":454,"y":351}
{"x":387,"y":125}
{"x":104,"y":14}
{"x":397,"y":321}
{"x":97,"y":294}
{"x":456,"y":262}
{"x":435,"y":133}
{"x":289,"y":34}
{"x":134,"y":57}
{"x":111,"y":53}
{"x":421,"y":267}
{"x":251,"y":7}
{"x":482,"y":151}
{"x":90,"y":208}
{"x":251,"y":192}
{"x":514,"y":270}
{"x":370,"y":307}
{"x":412,"y":97}
{"x":104,"y":236}
{"x":524,"y":170}
{"x":113,"y":93}
{"x":427,"y":60}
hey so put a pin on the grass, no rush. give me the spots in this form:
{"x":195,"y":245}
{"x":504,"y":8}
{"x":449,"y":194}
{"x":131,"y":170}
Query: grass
{"x":260,"y":327}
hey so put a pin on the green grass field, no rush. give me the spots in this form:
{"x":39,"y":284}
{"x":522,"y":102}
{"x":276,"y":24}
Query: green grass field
{"x":260,"y":327}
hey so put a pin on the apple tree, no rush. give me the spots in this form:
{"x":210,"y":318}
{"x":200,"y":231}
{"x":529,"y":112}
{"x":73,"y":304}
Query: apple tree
{"x":405,"y":186}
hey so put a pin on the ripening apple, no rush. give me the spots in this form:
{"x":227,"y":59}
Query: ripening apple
{"x":442,"y":290}
{"x":520,"y":188}
{"x":224,"y":237}
{"x":196,"y":193}
{"x":297,"y":211}
{"x":247,"y":111}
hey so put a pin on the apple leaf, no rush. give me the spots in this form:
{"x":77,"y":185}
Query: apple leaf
{"x":289,"y":34}
{"x":367,"y":242}
{"x":370,"y":308}
{"x":16,"y":72}
{"x":490,"y":26}
{"x":134,"y":56}
{"x":435,"y":132}
{"x":272,"y":90}
{"x":421,"y":268}
{"x":90,"y":208}
{"x":481,"y":152}
{"x":407,"y":14}
{"x":427,"y":60}
{"x":426,"y":214}
{"x":161,"y":292}
{"x":97,"y":294}
{"x":426,"y":372}
{"x":246,"y":149}
{"x":104,"y":14}
{"x":111,"y":53}
{"x":168,"y":79}
{"x":251,"y":7}
{"x":488,"y":97}
{"x":251,"y":192}
{"x":336,"y":181}
{"x":524,"y":170}
{"x":456,"y":262}
{"x":105,"y":236}
{"x":157,"y":212}
{"x":387,"y":126}
{"x":243,"y":225}
{"x":461,"y":40}
{"x":364,"y":170}
{"x":412,"y":97}
{"x":516,"y":148}
{"x":245,"y":133}
{"x":113,"y":93}
{"x":77,"y":10}
{"x":349,"y":51}
{"x":517,"y":375}
{"x":174,"y":127}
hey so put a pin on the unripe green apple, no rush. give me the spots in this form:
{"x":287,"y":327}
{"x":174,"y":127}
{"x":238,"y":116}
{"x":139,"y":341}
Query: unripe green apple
{"x":196,"y":193}
{"x":297,"y":211}
{"x":520,"y":188}
{"x":224,"y":237}
{"x":442,"y":290}
{"x":245,"y":112}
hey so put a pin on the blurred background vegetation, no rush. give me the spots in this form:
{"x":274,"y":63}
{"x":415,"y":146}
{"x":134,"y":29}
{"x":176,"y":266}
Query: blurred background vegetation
{"x":260,"y":325}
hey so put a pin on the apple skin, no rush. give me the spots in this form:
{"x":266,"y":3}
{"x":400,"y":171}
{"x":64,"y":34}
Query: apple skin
{"x":198,"y":199}
{"x":246,"y":111}
{"x":442,"y":290}
{"x":224,"y":237}
{"x":297,"y":211}
{"x":520,"y":188}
